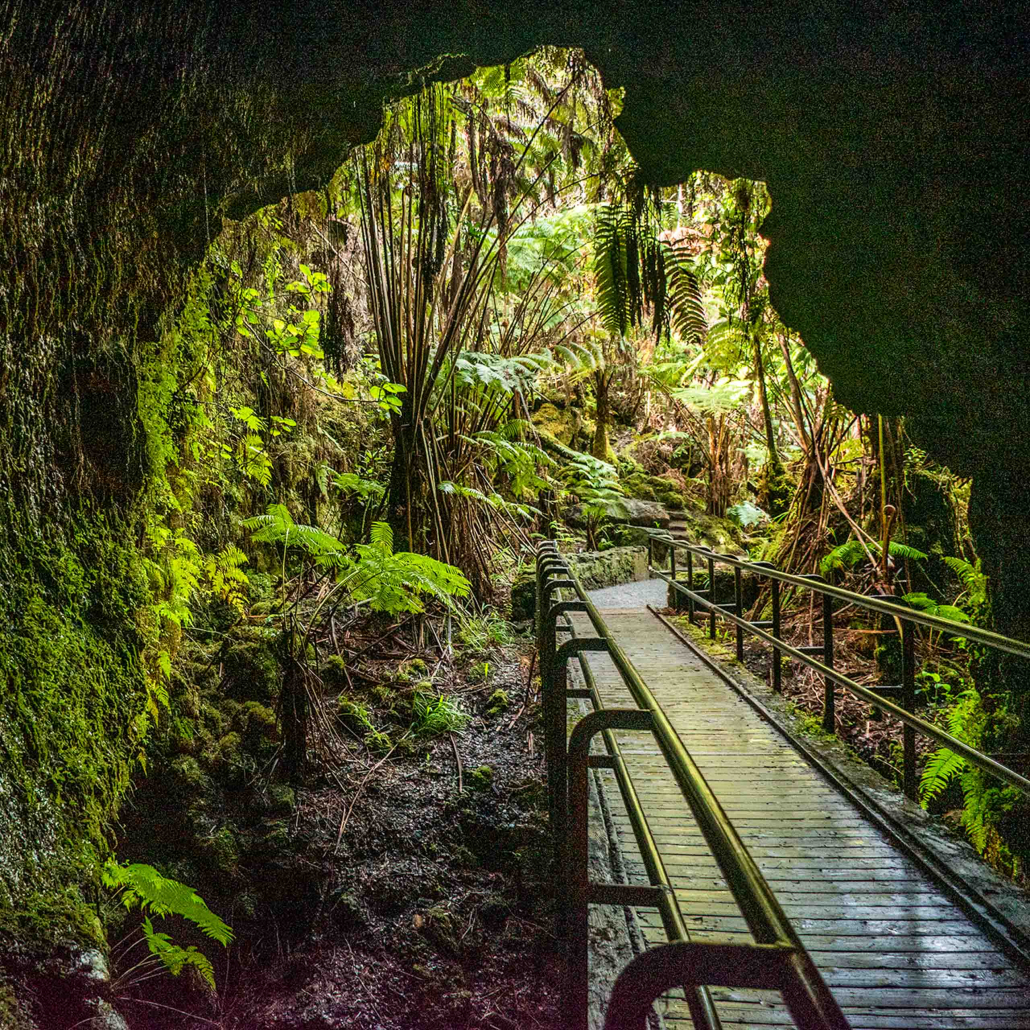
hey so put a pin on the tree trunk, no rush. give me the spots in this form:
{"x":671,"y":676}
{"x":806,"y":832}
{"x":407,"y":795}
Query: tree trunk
{"x":599,"y":448}
{"x":998,"y":504}
{"x":770,"y":431}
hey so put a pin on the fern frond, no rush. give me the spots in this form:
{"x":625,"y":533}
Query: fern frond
{"x":686,"y":302}
{"x":382,"y":535}
{"x":145,"y":888}
{"x":176,"y":958}
{"x":941,"y":767}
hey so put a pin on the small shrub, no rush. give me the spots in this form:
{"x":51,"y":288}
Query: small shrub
{"x":499,"y":702}
{"x":433,"y":716}
{"x":479,"y":633}
{"x":479,"y":673}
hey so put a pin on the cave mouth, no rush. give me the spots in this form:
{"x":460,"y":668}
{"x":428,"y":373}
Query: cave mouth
{"x":897,"y":253}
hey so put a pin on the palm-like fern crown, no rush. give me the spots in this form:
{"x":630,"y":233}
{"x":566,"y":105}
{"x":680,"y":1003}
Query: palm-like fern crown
{"x":635,"y":270}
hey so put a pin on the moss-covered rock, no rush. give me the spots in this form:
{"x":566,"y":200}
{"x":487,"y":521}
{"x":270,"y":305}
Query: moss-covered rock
{"x":498,"y":702}
{"x":563,"y":425}
{"x":641,"y":486}
{"x":596,"y":569}
{"x":625,"y":510}
{"x":711,"y":531}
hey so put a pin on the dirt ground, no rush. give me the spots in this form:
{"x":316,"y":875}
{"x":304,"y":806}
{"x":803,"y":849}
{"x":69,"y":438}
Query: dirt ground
{"x":408,"y":886}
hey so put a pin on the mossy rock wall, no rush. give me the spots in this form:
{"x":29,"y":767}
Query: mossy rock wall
{"x":595,"y":569}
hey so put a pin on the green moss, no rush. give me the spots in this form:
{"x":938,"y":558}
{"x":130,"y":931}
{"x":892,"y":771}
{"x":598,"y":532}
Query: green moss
{"x":250,"y":666}
{"x":636,"y":483}
{"x":224,"y":849}
{"x":189,"y":774}
{"x":353,"y":715}
{"x":72,"y":710}
{"x":481,"y":777}
{"x":45,"y":918}
{"x":257,"y":723}
{"x":499,"y":702}
{"x":562,"y":425}
{"x":377,"y":741}
{"x":334,"y":672}
{"x":12,"y":1016}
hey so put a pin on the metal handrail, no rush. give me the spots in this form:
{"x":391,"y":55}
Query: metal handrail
{"x":961,"y":629}
{"x":907,"y":616}
{"x":789,"y":968}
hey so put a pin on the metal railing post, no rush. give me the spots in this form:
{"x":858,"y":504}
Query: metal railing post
{"x":884,"y":604}
{"x":829,"y":687}
{"x":690,"y":585}
{"x":908,"y":702}
{"x":578,"y":1007}
{"x":738,"y":603}
{"x":711,"y":598}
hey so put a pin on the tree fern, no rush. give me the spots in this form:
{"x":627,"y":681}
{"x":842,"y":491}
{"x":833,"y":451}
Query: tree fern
{"x":634,"y":268}
{"x":686,"y":303}
{"x":615,"y":254}
{"x":394,"y":582}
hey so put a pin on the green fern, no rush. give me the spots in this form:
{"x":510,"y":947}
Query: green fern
{"x":395,"y":581}
{"x":941,"y":768}
{"x":973,"y":580}
{"x":633,"y":268}
{"x":142,"y":887}
{"x":226,"y":576}
{"x":849,"y":554}
{"x":966,"y":720}
{"x":277,"y":526}
{"x":927,"y":604}
{"x":176,"y":958}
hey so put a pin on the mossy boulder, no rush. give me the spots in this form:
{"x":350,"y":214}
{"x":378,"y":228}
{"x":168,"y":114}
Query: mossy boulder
{"x":626,"y":511}
{"x":640,"y":486}
{"x":720,"y":534}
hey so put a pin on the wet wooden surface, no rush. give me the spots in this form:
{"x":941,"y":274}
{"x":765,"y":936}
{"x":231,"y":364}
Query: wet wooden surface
{"x":896,"y":952}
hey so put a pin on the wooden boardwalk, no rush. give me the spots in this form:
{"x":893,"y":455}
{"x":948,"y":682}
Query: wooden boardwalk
{"x":896,"y":951}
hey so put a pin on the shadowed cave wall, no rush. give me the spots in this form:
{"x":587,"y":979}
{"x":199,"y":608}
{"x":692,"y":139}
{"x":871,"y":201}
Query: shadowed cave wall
{"x":893,"y":141}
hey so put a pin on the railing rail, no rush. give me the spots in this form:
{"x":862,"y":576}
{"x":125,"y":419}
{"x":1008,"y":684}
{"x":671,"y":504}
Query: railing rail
{"x":777,"y":960}
{"x":769,"y":632}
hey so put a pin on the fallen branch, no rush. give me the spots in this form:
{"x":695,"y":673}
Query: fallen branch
{"x":457,"y":758}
